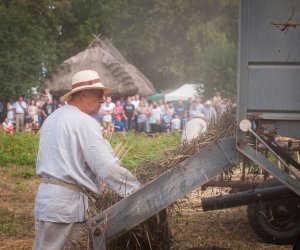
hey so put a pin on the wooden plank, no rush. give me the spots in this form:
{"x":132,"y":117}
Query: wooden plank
{"x":163,"y":191}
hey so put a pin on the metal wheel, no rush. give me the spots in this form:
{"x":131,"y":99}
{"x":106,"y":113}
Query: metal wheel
{"x":276,"y":221}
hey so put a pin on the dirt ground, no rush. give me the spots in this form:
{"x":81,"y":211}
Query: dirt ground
{"x":193,"y":228}
{"x":221,"y":229}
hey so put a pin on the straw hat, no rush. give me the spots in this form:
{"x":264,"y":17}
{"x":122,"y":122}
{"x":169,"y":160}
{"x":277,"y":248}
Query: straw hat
{"x":86,"y":79}
{"x":208,"y":102}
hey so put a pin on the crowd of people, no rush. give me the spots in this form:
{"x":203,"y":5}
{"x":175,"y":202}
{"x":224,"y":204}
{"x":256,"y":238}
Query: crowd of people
{"x":27,"y":114}
{"x":120,"y":115}
{"x":157,"y":116}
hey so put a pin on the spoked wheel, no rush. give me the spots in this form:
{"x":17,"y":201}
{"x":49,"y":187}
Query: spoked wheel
{"x":276,"y":221}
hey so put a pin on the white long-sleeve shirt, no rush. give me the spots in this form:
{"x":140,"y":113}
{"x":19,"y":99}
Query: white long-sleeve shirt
{"x":73,"y":150}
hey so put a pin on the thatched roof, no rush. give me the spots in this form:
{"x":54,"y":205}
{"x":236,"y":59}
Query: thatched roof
{"x":114,"y":71}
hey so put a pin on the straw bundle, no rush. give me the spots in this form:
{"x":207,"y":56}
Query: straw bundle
{"x":154,"y":233}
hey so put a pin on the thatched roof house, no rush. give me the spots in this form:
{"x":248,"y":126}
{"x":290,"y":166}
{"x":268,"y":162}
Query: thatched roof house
{"x":114,"y":71}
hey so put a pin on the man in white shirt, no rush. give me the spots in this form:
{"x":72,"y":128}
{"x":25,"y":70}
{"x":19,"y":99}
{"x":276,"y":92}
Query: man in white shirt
{"x":136,"y":101}
{"x":194,"y":128}
{"x":107,"y":111}
{"x":73,"y":157}
{"x":136,"y":104}
{"x":20,"y":109}
{"x":209,"y":112}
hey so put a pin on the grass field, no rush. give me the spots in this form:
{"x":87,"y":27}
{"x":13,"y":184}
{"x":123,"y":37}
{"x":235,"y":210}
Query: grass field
{"x":18,"y":183}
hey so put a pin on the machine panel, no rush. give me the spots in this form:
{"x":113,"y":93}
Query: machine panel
{"x":269,"y":64}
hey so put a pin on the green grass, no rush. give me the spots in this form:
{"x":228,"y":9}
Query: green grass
{"x":21,"y":148}
{"x":142,"y":147}
{"x":8,"y":222}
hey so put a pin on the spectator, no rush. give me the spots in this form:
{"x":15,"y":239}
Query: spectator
{"x":195,"y":111}
{"x":33,"y":111}
{"x":149,"y":105}
{"x":185,"y":119}
{"x":216,"y":99}
{"x":55,"y":104}
{"x":220,"y":108}
{"x":167,"y":118}
{"x":118,"y":110}
{"x":142,"y":114}
{"x":171,"y":109}
{"x":27,"y":100}
{"x":107,"y":110}
{"x":199,"y":104}
{"x":20,"y":109}
{"x":129,"y":114}
{"x":180,"y":109}
{"x":47,"y":109}
{"x":36,"y":127}
{"x":209,"y":112}
{"x":27,"y":127}
{"x":8,"y":126}
{"x":119,"y":125}
{"x":99,"y":115}
{"x":39,"y":103}
{"x":123,"y":101}
{"x":189,"y":103}
{"x":176,"y":123}
{"x":161,"y":105}
{"x":155,"y":119}
{"x":136,"y":101}
{"x":10,"y":111}
{"x":47,"y":95}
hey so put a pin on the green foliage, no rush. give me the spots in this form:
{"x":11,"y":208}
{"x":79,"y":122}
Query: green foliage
{"x":28,"y":41}
{"x":20,"y":148}
{"x":171,"y":41}
{"x":178,"y":41}
{"x":88,"y":19}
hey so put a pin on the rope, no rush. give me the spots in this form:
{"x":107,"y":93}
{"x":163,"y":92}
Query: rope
{"x":92,"y":209}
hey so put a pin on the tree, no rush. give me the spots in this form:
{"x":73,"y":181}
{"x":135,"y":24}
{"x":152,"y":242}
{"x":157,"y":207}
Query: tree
{"x":171,"y":41}
{"x":28,"y":44}
{"x":178,"y":41}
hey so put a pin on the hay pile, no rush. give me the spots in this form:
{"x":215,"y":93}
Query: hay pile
{"x":154,"y":233}
{"x":225,"y":127}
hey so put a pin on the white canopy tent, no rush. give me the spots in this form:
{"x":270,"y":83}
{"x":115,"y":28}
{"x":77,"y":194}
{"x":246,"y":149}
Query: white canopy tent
{"x":183,"y":93}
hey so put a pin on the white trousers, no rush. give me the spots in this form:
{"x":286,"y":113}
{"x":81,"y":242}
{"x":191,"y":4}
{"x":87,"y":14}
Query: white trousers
{"x":56,"y":236}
